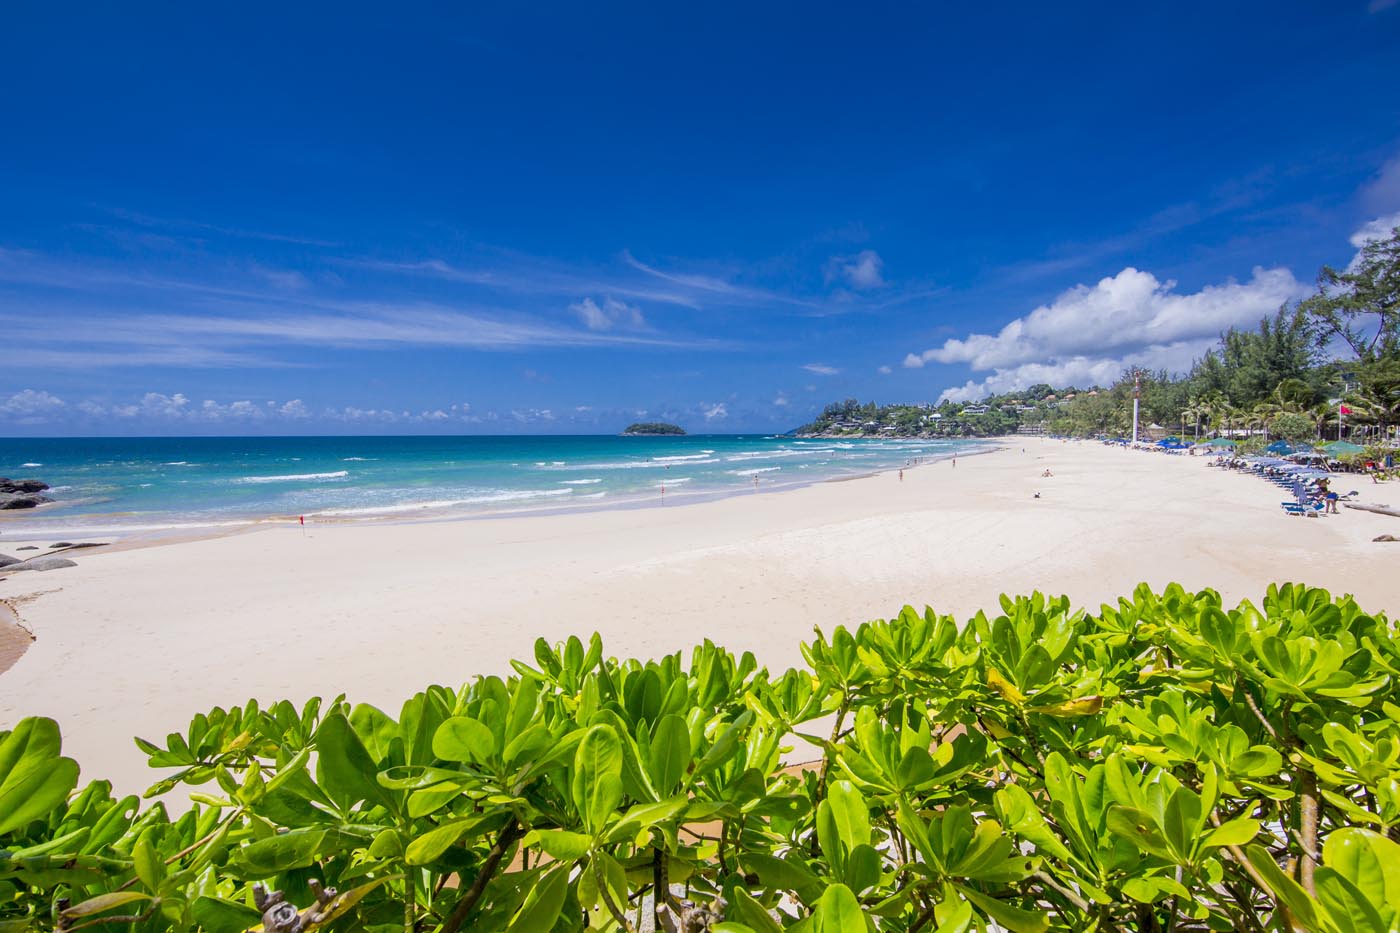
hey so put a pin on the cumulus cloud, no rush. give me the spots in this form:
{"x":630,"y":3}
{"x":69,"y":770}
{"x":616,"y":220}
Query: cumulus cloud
{"x":1090,"y":333}
{"x":29,"y":406}
{"x":862,"y":271}
{"x":885,"y":370}
{"x":611,"y":313}
{"x":1378,"y":229}
{"x":716,"y":412}
{"x":821,"y":369}
{"x":781,"y":401}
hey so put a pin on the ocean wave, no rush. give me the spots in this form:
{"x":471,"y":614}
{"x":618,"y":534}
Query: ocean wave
{"x":675,"y":482}
{"x":632,"y":465}
{"x":752,"y":472}
{"x":357,"y":459}
{"x":775,"y":454}
{"x":578,"y":482}
{"x":293,"y":477}
{"x":31,"y":464}
{"x":679,"y":459}
{"x":178,"y":463}
{"x":592,"y":495}
{"x":501,"y":496}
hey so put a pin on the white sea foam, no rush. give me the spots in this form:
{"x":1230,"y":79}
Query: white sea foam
{"x":177,"y":463}
{"x":752,"y":472}
{"x":680,"y":459}
{"x":675,"y":482}
{"x":357,"y":459}
{"x":635,"y":465}
{"x":775,"y":454}
{"x":31,"y":464}
{"x":294,"y":477}
{"x":515,"y":495}
{"x":592,"y":495}
{"x":578,"y":482}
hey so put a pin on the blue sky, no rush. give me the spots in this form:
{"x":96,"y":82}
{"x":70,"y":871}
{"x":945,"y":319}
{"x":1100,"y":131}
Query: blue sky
{"x":560,"y":218}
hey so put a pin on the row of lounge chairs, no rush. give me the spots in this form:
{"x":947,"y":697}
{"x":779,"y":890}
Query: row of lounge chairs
{"x":1302,"y":481}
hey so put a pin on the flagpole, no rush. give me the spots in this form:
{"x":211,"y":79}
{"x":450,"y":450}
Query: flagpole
{"x":1137,"y":393}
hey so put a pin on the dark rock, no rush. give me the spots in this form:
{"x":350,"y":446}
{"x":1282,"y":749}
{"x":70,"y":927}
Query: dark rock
{"x":60,"y":544}
{"x":22,"y":485}
{"x":6,"y":560}
{"x":21,"y":500}
{"x":74,"y":547}
{"x":28,"y":547}
{"x":1385,"y":538}
{"x":42,"y":563}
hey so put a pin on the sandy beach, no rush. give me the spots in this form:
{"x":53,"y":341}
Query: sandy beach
{"x":134,"y":641}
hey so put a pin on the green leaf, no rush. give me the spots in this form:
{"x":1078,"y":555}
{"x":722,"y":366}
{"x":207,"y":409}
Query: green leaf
{"x":149,"y":867}
{"x":1234,"y":833}
{"x":462,"y":738}
{"x":838,"y":911}
{"x":430,"y":846}
{"x":599,"y":755}
{"x":559,"y":844}
{"x":102,"y":903}
{"x":850,"y":814}
{"x":744,"y":909}
{"x":34,"y":778}
{"x":216,"y":915}
{"x":1015,"y":919}
{"x":543,"y":904}
{"x":669,"y":753}
{"x":343,"y":767}
{"x":1139,"y":828}
{"x":1288,"y":891}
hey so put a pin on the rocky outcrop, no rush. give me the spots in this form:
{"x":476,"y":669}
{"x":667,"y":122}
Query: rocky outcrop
{"x":6,"y":560}
{"x":22,"y":485}
{"x":22,"y":493}
{"x":42,"y":563}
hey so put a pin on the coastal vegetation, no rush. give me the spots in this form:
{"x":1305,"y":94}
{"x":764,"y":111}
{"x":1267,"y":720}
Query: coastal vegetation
{"x":1331,"y":360}
{"x":651,"y":428}
{"x":1163,"y":763}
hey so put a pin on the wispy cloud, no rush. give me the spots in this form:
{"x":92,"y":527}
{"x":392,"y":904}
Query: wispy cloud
{"x":821,"y":369}
{"x":864,"y":270}
{"x":147,"y":220}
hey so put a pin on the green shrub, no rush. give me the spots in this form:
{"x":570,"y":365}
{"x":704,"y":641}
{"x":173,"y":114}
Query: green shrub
{"x":1163,"y":763}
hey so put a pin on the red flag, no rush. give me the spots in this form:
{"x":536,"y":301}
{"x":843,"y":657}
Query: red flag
{"x":1344,"y":410}
{"x":302,"y":519}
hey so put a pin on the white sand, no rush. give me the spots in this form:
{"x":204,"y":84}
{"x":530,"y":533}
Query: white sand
{"x":133,"y":642}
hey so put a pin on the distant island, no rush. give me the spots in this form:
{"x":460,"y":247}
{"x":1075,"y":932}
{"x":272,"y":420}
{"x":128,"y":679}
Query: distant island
{"x":652,"y":428}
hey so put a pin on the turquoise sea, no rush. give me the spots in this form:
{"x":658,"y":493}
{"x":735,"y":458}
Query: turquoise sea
{"x":170,"y":483}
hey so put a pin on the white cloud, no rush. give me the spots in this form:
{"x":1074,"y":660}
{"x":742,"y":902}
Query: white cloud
{"x":861,"y":271}
{"x":1378,"y":229}
{"x":821,"y":369}
{"x":885,"y":370}
{"x":781,"y":401}
{"x":715,"y":412}
{"x":30,"y":406}
{"x":1090,"y":333}
{"x":612,"y":313}
{"x":295,"y":409}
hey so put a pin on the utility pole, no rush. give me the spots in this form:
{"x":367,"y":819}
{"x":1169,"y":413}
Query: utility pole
{"x":1137,"y":395}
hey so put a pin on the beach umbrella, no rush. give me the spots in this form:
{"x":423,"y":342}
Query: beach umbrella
{"x":1220,"y":442}
{"x":1343,"y":448}
{"x":1281,"y":447}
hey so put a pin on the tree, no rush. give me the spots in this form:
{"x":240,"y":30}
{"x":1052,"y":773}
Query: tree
{"x":1360,"y":305}
{"x":1293,"y":427}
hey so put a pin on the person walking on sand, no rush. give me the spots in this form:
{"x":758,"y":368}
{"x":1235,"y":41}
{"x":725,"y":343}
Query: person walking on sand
{"x":901,"y":476}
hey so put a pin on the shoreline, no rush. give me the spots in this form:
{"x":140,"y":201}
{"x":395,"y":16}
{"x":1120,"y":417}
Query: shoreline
{"x":128,"y":536}
{"x":136,"y":640}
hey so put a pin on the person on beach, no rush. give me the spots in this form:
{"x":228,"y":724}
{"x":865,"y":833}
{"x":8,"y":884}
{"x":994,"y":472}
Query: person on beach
{"x":1328,"y":496}
{"x":901,"y":476}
